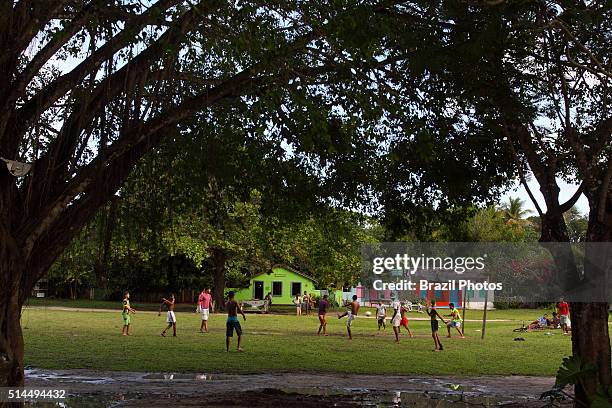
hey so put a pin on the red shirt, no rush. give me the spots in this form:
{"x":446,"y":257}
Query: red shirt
{"x":204,"y":300}
{"x":563,"y":309}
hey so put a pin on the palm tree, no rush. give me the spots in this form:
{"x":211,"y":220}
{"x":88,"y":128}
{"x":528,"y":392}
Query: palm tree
{"x":514,"y":212}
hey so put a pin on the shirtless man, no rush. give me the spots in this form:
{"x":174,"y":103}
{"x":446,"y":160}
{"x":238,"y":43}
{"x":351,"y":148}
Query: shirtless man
{"x":323,"y":306}
{"x":233,"y":308}
{"x":352,"y":314}
{"x":171,"y":317}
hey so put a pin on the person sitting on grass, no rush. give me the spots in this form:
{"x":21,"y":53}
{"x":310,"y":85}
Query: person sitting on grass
{"x":434,"y":315}
{"x":125,"y":330}
{"x":352,"y":314}
{"x":455,"y":321}
{"x":233,"y":308}
{"x":323,"y":305}
{"x":541,"y":322}
{"x":171,"y":317}
{"x":556,"y":322}
{"x":381,"y":316}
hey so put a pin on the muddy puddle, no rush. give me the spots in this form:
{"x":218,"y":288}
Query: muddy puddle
{"x":86,"y":388}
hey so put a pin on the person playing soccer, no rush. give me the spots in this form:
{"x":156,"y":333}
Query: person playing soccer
{"x":455,"y":321}
{"x":125,"y":330}
{"x":323,"y":306}
{"x":396,"y":319}
{"x":204,"y":301}
{"x":233,"y":308}
{"x":171,"y":317}
{"x":351,"y":315}
{"x":381,"y":316}
{"x":434,"y":315}
{"x":404,"y":319}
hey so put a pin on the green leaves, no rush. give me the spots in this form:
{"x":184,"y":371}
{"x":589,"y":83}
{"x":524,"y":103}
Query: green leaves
{"x":574,"y":370}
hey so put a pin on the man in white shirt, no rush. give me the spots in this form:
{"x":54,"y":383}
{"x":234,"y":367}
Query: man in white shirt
{"x":396,"y":319}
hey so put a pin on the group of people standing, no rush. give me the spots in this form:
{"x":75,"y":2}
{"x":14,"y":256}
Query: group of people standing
{"x":304,"y":304}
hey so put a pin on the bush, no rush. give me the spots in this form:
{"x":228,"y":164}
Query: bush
{"x":508,"y":303}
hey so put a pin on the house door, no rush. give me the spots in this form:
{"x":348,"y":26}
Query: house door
{"x":259,"y":289}
{"x":296,"y":288}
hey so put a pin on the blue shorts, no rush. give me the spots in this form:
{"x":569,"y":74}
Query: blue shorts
{"x":232,"y":325}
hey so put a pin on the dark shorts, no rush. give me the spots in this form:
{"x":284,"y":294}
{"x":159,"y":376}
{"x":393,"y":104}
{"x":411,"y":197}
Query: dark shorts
{"x":230,"y":327}
{"x":434,"y":325}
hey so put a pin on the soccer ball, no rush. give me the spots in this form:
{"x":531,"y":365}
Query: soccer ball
{"x":368,"y":313}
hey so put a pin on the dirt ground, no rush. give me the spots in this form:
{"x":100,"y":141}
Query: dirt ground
{"x":88,"y":388}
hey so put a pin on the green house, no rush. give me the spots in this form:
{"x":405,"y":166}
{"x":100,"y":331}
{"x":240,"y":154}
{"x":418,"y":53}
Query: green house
{"x":282,"y":281}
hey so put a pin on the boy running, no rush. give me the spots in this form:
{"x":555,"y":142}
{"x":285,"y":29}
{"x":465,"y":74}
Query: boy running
{"x":171,"y":317}
{"x":455,"y":320}
{"x":352,"y":314}
{"x":404,"y":319}
{"x":434,"y":315}
{"x":381,"y":316}
{"x":323,"y":305}
{"x":125,"y":330}
{"x":233,"y":308}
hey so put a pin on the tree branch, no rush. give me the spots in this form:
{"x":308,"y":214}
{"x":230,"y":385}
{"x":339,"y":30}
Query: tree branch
{"x":43,"y":99}
{"x":604,"y":191}
{"x":519,"y":166}
{"x":572,"y":201}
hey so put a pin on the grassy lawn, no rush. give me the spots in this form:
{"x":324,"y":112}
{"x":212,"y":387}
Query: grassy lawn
{"x":58,"y":339}
{"x":508,"y":314}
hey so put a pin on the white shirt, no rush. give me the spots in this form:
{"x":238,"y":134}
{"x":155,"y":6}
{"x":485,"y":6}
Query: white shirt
{"x":381,"y":310}
{"x":396,"y":305}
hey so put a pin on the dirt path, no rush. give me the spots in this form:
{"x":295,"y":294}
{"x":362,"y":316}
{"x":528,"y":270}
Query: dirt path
{"x":129,"y":389}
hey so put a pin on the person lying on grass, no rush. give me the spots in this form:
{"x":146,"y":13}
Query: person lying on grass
{"x":455,"y":321}
{"x":352,"y":314}
{"x":125,"y":330}
{"x":170,"y":316}
{"x":233,"y":308}
{"x":434,"y":315}
{"x":541,"y":322}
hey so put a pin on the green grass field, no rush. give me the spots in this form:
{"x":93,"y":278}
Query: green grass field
{"x":58,"y":339}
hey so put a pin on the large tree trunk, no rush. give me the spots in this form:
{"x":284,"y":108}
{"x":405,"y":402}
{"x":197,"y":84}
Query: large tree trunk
{"x":591,"y":342}
{"x":11,"y":300}
{"x":590,"y":330}
{"x":219,"y":260}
